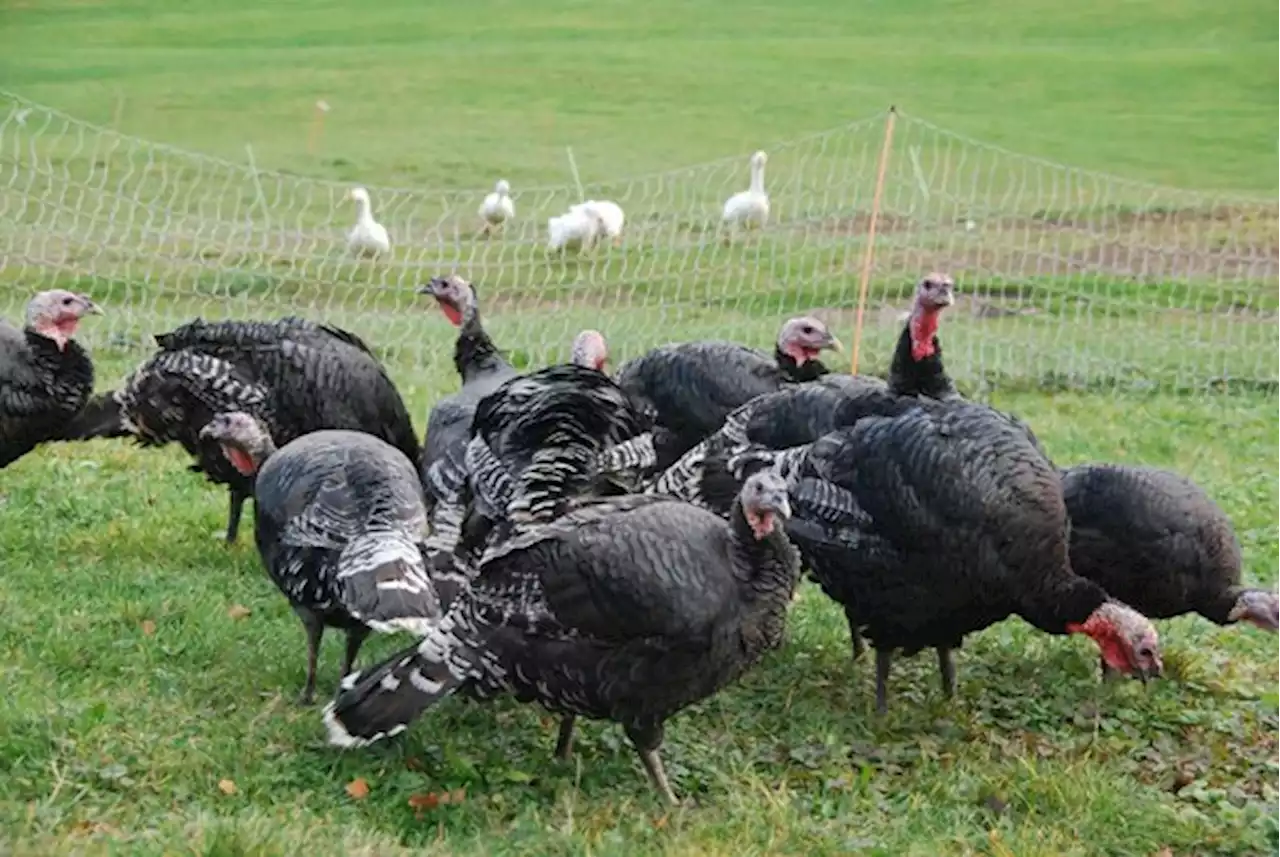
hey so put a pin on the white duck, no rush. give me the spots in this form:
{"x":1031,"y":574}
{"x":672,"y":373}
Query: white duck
{"x":576,"y":230}
{"x":368,"y":237}
{"x":497,"y":207}
{"x":610,"y":215}
{"x":750,"y":208}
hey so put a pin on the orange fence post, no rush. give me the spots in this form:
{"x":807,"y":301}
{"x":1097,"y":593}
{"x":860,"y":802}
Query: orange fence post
{"x":868,"y":252}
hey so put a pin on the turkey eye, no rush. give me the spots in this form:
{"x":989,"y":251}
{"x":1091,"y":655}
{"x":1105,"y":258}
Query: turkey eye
{"x":66,"y":301}
{"x":1145,"y":652}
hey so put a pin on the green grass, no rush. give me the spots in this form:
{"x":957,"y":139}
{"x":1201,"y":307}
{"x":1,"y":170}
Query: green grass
{"x":1134,"y":301}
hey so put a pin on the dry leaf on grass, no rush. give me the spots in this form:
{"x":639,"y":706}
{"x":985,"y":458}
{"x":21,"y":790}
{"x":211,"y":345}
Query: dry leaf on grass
{"x":238,"y":611}
{"x":430,"y":800}
{"x":148,"y":627}
{"x":1163,"y":852}
{"x":358,"y":788}
{"x":227,"y":787}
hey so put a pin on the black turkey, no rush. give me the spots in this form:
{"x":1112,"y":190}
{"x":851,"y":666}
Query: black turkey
{"x":340,"y":525}
{"x":1155,"y":540}
{"x":46,"y":378}
{"x":293,"y":375}
{"x":480,"y":365}
{"x":944,"y":519}
{"x":626,"y":609}
{"x":691,"y":387}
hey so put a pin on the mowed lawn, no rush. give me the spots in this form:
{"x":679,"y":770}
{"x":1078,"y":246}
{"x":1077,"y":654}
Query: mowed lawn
{"x":149,"y":671}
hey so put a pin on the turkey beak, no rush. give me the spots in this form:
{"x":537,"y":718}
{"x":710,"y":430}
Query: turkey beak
{"x":833,"y":343}
{"x":947,"y":298}
{"x":90,"y":306}
{"x":429,"y":288}
{"x":212,"y":430}
{"x":780,"y":503}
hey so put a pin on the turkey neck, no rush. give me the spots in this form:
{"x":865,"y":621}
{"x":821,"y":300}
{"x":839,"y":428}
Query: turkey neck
{"x":48,"y":356}
{"x":474,"y":352}
{"x":810,"y":370}
{"x":1063,"y":602}
{"x":768,"y":570}
{"x":926,"y":376}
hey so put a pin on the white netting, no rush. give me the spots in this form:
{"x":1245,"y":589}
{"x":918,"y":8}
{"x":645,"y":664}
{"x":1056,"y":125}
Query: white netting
{"x":1067,"y":275}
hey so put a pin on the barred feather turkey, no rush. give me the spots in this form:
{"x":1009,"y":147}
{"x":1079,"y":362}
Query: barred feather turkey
{"x":46,"y":377}
{"x":340,"y":525}
{"x":627,"y":609}
{"x":293,"y":375}
{"x":535,"y":444}
{"x":1156,"y":540}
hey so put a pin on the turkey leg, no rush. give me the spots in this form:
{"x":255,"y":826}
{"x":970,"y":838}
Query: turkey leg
{"x":564,"y":742}
{"x":647,"y":740}
{"x":314,"y":626}
{"x":233,"y":515}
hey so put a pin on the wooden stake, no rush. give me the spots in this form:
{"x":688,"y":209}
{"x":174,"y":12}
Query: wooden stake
{"x":317,"y":126}
{"x":868,"y":252}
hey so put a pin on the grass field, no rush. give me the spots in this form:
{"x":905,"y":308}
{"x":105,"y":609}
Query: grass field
{"x":134,"y":689}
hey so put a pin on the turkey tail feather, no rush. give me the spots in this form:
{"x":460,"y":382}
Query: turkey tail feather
{"x":381,"y":702}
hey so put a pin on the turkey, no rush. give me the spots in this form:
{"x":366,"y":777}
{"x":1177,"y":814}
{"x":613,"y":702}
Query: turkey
{"x":944,"y":519}
{"x":339,"y":524}
{"x":445,"y":478}
{"x":46,"y":378}
{"x":691,"y":387}
{"x":1155,"y":540}
{"x":535,"y":444}
{"x":480,"y":365}
{"x":293,"y":375}
{"x":799,"y":414}
{"x":626,"y":609}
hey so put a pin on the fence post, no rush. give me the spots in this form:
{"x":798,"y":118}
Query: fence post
{"x":868,"y":252}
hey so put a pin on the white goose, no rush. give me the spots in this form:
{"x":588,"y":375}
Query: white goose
{"x":368,"y":237}
{"x":610,"y":216}
{"x":576,"y":230}
{"x":497,"y":207}
{"x":750,"y":208}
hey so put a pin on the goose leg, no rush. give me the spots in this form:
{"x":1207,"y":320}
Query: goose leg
{"x":233,"y":515}
{"x":314,"y":626}
{"x":564,"y":741}
{"x":884,"y":657}
{"x":647,"y":740}
{"x":947,"y":669}
{"x":355,"y":639}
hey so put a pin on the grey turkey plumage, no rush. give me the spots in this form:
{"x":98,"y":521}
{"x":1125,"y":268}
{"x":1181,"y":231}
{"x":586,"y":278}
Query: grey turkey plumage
{"x":46,"y":377}
{"x":940,"y":520}
{"x":1157,"y":541}
{"x":293,"y":375}
{"x":341,"y":527}
{"x":627,"y":609}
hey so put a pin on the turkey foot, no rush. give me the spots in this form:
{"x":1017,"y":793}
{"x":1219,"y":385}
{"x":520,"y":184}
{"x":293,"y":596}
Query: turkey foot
{"x":647,"y":741}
